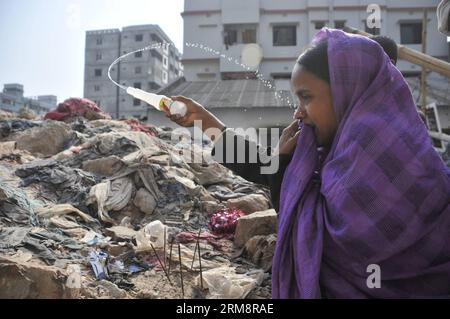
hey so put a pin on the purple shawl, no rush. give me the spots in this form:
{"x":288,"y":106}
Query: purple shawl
{"x":382,"y":196}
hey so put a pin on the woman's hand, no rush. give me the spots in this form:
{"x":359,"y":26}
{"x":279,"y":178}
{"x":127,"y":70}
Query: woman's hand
{"x":195,"y":112}
{"x":288,"y":139}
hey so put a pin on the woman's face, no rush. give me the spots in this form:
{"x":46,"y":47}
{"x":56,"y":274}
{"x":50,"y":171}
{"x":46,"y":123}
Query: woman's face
{"x":315,"y":106}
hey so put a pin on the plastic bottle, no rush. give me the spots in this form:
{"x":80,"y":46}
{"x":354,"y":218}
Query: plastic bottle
{"x":158,"y":101}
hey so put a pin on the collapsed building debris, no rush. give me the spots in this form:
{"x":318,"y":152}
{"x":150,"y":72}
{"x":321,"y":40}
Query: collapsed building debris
{"x":96,"y":208}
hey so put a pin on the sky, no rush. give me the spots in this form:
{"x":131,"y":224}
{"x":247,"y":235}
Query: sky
{"x":42,"y":42}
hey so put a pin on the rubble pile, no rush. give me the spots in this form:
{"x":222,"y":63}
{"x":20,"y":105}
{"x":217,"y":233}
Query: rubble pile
{"x":97,"y":208}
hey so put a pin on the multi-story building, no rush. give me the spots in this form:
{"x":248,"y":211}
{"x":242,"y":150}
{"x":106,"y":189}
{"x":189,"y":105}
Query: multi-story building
{"x":149,"y":70}
{"x":283,"y":28}
{"x":12,"y":99}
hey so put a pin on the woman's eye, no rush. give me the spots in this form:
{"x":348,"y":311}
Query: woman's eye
{"x":305,"y":98}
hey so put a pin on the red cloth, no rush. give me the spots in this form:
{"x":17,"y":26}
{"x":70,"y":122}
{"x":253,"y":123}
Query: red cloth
{"x":224,"y":222}
{"x":139,"y":127}
{"x":74,"y":107}
{"x":189,"y":237}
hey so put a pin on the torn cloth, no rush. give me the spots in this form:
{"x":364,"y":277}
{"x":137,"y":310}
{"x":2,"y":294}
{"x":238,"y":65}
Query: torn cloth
{"x":75,"y":107}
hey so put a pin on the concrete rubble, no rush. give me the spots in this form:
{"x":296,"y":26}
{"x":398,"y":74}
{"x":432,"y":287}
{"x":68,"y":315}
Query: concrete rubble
{"x":100,"y":209}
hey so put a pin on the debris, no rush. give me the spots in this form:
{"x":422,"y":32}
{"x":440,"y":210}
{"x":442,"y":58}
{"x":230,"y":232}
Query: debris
{"x":5,"y":115}
{"x":225,"y":283}
{"x":161,"y":264}
{"x":63,"y":209}
{"x":100,"y":195}
{"x":224,"y":222}
{"x":111,"y":196}
{"x":111,"y":290}
{"x":145,"y":201}
{"x":119,"y":233}
{"x":27,"y":113}
{"x":47,"y":140}
{"x":28,"y":280}
{"x":260,"y":250}
{"x":181,"y":268}
{"x":99,"y":262}
{"x":11,"y":126}
{"x":150,"y":235}
{"x":259,"y":223}
{"x":65,"y":184}
{"x":7,"y":148}
{"x":250,"y":203}
{"x":74,"y":279}
{"x":139,"y":127}
{"x":92,"y":238}
{"x":106,"y":166}
{"x":75,"y":107}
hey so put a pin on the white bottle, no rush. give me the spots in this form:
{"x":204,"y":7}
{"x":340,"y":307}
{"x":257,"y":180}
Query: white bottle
{"x":158,"y":101}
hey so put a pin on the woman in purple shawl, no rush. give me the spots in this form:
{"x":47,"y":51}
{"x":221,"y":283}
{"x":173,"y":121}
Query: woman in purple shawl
{"x":364,"y":206}
{"x":381,"y":195}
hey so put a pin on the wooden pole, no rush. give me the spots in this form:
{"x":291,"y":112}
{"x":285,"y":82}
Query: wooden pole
{"x":423,"y":78}
{"x":413,"y":56}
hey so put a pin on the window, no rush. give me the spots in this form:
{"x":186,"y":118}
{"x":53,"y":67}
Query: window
{"x":249,"y":36}
{"x":285,"y":35}
{"x":165,"y":62}
{"x":138,"y":70}
{"x":374,"y":31}
{"x":157,"y":55}
{"x":98,"y":56}
{"x":136,"y":102}
{"x":96,"y":88}
{"x":166,"y":47}
{"x":157,"y":39}
{"x":139,"y":38}
{"x":137,"y":85}
{"x":165,"y":78}
{"x":411,"y":33}
{"x":339,"y":24}
{"x":98,"y":72}
{"x":319,"y":25}
{"x":230,"y":37}
{"x":138,"y":54}
{"x":99,"y":41}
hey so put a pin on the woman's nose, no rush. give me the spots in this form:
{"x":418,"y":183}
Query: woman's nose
{"x":300,"y":114}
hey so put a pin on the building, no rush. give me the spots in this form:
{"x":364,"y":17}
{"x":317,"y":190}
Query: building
{"x":283,"y":28}
{"x":149,"y":70}
{"x":219,"y":33}
{"x":12,"y":99}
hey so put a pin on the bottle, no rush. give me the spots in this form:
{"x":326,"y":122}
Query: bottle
{"x":158,"y":101}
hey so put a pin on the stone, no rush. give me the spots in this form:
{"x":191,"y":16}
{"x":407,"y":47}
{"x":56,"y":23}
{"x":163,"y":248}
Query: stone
{"x":119,"y":233}
{"x":210,"y":207}
{"x":117,"y":250}
{"x":250,"y":203}
{"x":47,"y":140}
{"x":259,"y":223}
{"x":106,"y":166}
{"x":30,"y":280}
{"x":145,"y":201}
{"x":110,"y":290}
{"x":260,"y":250}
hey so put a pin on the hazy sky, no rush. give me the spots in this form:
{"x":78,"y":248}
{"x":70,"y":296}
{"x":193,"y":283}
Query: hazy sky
{"x":42,"y":41}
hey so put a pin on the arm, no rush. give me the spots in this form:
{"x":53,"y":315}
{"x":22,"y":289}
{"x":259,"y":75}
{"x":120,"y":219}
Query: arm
{"x":219,"y":134}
